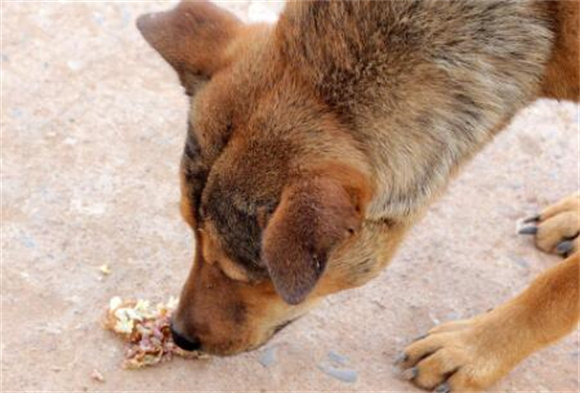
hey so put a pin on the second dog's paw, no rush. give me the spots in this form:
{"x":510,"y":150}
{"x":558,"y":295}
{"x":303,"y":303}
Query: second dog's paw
{"x":557,"y":227}
{"x":454,"y":357}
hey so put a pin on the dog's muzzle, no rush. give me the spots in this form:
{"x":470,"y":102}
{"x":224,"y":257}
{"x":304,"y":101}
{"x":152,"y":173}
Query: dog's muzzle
{"x":184,"y":342}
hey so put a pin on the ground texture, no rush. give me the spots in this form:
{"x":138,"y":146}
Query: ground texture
{"x":92,"y":128}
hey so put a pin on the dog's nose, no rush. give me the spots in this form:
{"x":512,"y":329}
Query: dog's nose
{"x":183,"y":342}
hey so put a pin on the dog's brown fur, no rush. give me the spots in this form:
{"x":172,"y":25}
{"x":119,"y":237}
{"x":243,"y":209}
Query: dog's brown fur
{"x":315,"y":144}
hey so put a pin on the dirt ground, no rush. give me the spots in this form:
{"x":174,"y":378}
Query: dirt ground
{"x":92,"y":128}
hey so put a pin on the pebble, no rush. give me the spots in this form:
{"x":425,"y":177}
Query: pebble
{"x":337,"y":358}
{"x":452,"y":316}
{"x":28,"y":241}
{"x":74,"y":65}
{"x":521,"y":262}
{"x":99,"y":18}
{"x":97,"y":376}
{"x":267,"y":357}
{"x":126,"y":15}
{"x":16,"y":113}
{"x":344,"y":375}
{"x":434,"y":319}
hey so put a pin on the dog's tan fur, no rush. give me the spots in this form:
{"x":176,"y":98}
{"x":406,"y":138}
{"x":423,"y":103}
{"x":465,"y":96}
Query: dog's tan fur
{"x":315,"y":144}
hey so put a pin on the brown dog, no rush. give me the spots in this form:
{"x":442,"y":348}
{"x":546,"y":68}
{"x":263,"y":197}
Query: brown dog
{"x":313,"y":146}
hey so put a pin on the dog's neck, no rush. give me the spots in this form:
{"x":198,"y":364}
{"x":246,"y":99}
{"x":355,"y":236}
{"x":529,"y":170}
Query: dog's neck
{"x":421,"y":88}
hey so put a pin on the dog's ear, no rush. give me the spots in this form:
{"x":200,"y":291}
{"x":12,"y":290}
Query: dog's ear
{"x":192,"y":37}
{"x":312,"y":218}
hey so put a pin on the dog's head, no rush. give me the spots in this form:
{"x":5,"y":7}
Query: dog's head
{"x":271,"y":185}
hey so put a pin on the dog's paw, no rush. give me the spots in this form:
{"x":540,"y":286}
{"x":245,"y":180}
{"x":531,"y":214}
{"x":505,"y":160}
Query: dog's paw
{"x":456,"y":356}
{"x":557,"y":227}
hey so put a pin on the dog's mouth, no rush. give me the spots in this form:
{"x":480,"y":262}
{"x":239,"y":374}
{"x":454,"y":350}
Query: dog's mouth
{"x":281,"y":326}
{"x":195,"y":345}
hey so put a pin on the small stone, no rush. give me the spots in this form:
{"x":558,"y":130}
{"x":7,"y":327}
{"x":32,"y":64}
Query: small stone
{"x":97,"y":376}
{"x":434,"y":319}
{"x":99,"y":18}
{"x":16,"y":113}
{"x":344,"y":375}
{"x":337,"y":358}
{"x":267,"y":357}
{"x":452,"y":316}
{"x":74,"y":65}
{"x":522,"y":263}
{"x":126,"y":15}
{"x":28,"y":241}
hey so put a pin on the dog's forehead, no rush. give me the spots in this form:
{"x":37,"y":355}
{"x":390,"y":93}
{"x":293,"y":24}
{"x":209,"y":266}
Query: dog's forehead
{"x":209,"y":121}
{"x":243,"y":145}
{"x":244,"y":182}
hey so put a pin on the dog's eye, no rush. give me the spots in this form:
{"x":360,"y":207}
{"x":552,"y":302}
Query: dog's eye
{"x":203,"y":212}
{"x":192,"y":149}
{"x":263,"y":214}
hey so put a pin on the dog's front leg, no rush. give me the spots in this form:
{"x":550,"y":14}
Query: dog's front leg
{"x":471,"y":355}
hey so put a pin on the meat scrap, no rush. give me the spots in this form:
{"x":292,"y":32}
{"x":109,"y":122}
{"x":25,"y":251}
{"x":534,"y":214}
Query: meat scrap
{"x":146,"y":330}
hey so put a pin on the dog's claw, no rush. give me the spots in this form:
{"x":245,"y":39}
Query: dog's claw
{"x":564,"y":247}
{"x":531,"y":219}
{"x":400,"y":359}
{"x":421,"y":337}
{"x":410,"y":373}
{"x":528,"y":230}
{"x":443,"y":388}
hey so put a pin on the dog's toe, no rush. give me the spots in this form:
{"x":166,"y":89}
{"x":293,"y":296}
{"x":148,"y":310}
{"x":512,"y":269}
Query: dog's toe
{"x":566,"y":247}
{"x":443,"y":388}
{"x":430,"y":361}
{"x":556,"y":229}
{"x":458,"y":356}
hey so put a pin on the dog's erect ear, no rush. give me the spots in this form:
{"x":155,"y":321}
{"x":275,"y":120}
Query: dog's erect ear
{"x":312,"y":218}
{"x":192,"y":37}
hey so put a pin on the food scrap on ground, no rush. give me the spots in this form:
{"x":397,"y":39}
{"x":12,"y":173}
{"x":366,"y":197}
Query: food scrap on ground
{"x":146,"y":330}
{"x":105,"y":269}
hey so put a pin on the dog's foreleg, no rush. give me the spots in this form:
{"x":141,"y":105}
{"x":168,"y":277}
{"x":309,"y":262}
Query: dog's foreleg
{"x":471,"y":355}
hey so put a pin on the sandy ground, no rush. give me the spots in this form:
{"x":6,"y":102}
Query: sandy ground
{"x":92,"y":130}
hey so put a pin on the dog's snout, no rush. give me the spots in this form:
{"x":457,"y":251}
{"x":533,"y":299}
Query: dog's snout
{"x":188,"y":344}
